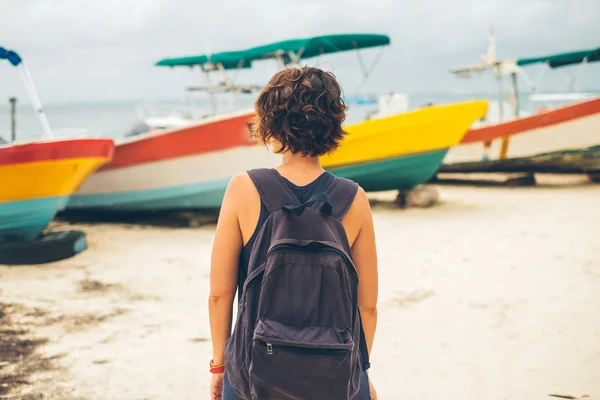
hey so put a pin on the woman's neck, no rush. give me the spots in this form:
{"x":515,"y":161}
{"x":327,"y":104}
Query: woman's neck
{"x":300,"y":169}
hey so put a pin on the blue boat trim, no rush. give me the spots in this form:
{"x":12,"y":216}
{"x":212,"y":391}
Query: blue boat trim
{"x":25,"y":219}
{"x":202,"y":195}
{"x":11,"y":56}
{"x":402,"y":173}
{"x":80,"y":245}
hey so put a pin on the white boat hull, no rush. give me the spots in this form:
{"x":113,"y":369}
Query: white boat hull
{"x":571,"y":129}
{"x":192,"y":182}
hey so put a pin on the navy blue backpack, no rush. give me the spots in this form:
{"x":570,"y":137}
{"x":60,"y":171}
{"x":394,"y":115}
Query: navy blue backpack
{"x":298,"y":329}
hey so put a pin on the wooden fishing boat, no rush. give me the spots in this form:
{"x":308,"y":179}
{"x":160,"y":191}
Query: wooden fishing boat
{"x":559,"y":140}
{"x":188,"y":165}
{"x":182,"y":168}
{"x":37,"y":178}
{"x":563,"y":139}
{"x":388,"y":153}
{"x":177,"y":162}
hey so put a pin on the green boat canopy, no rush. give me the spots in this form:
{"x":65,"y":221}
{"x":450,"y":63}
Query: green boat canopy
{"x":563,"y":59}
{"x":315,"y":46}
{"x":299,"y":48}
{"x":228,"y":59}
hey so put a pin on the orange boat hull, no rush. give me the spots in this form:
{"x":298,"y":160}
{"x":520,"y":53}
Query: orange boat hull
{"x":575,"y":127}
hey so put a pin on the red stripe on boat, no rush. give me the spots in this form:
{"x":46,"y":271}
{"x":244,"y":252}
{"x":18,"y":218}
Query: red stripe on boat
{"x":197,"y":139}
{"x":540,"y":120}
{"x":56,"y":150}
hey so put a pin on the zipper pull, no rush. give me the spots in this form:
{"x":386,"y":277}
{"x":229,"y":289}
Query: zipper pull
{"x":269,"y":349}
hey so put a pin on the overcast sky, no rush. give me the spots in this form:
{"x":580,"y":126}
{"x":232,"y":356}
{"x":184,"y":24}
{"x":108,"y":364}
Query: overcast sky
{"x":96,"y":50}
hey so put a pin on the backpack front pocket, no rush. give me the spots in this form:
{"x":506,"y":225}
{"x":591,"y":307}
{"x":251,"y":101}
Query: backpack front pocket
{"x":293,"y":369}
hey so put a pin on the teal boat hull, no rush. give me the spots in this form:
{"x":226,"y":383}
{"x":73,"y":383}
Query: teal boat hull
{"x":402,"y":173}
{"x":24,"y":220}
{"x":196,"y":196}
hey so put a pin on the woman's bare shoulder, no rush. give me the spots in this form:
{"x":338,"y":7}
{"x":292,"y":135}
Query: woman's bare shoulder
{"x":361,"y":204}
{"x":241,"y":193}
{"x":240,"y":185}
{"x":358,"y":215}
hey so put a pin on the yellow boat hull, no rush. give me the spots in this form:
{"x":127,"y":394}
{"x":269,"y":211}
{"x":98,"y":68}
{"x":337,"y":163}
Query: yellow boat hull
{"x":38,"y":179}
{"x":46,"y":178}
{"x":421,"y":131}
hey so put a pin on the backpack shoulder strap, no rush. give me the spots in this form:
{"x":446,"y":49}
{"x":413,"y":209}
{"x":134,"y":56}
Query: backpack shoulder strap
{"x":341,"y":193}
{"x":273,"y":192}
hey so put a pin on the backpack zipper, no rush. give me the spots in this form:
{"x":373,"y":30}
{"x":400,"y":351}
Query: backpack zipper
{"x":303,"y":349}
{"x":325,"y":249}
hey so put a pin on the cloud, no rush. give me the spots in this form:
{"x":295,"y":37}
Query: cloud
{"x":105,"y":49}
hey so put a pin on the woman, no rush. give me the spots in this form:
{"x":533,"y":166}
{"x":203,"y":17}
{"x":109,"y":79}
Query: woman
{"x":299,"y":115}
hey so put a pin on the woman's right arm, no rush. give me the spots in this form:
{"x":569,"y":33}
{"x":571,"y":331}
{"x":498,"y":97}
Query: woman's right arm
{"x":224,"y":268}
{"x":364,"y":253}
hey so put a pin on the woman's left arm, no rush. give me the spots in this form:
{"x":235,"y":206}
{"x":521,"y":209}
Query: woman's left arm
{"x":224,"y":270}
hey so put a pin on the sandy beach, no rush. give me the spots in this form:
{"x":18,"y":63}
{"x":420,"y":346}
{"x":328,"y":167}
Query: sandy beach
{"x":492,"y":294}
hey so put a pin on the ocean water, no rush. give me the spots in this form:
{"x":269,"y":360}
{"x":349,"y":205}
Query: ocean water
{"x":110,"y":119}
{"x":115,"y":119}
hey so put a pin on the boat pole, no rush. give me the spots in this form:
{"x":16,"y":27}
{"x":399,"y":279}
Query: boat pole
{"x":35,"y":101}
{"x":504,"y":146}
{"x":515,"y":104}
{"x":211,"y":96}
{"x":500,"y":99}
{"x":13,"y":118}
{"x":513,"y":78}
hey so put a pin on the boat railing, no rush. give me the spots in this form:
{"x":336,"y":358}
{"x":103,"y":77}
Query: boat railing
{"x":146,"y":111}
{"x":544,"y":101}
{"x":578,"y":96}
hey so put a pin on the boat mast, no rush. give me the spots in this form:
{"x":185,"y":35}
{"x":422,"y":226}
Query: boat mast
{"x":228,"y":83}
{"x":366,"y":71}
{"x":211,"y":97}
{"x":539,"y":80}
{"x":577,"y":72}
{"x":280,"y":61}
{"x":505,"y":140}
{"x":294,"y":59}
{"x":35,"y":101}
{"x":17,"y":61}
{"x":513,"y":78}
{"x":500,"y":97}
{"x":13,"y":119}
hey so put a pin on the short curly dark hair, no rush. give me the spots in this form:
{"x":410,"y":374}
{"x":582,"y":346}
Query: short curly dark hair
{"x":303,"y":109}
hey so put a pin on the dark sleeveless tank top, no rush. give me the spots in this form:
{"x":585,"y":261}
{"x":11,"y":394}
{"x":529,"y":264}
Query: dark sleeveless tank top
{"x":303,"y":193}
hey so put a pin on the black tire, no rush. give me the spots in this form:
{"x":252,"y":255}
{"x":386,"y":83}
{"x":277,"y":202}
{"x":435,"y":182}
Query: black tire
{"x":53,"y":246}
{"x":594,"y":177}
